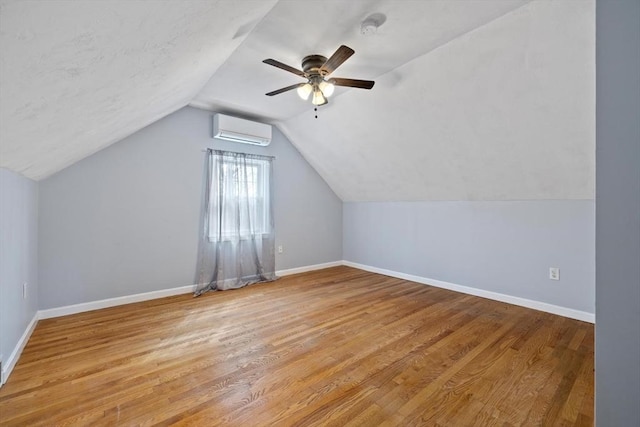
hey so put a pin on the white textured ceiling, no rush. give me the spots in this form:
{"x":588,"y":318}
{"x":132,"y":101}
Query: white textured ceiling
{"x":506,"y":112}
{"x":474,"y":100}
{"x":77,"y":76}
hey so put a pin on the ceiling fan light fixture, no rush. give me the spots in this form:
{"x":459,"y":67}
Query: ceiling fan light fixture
{"x":318,"y":98}
{"x":304,"y":91}
{"x":327,"y":88}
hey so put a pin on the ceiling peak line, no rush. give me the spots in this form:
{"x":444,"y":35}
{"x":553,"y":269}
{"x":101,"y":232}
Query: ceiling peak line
{"x":238,"y":33}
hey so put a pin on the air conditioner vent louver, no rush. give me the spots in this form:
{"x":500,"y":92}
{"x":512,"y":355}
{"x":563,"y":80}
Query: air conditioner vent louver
{"x":241,"y":130}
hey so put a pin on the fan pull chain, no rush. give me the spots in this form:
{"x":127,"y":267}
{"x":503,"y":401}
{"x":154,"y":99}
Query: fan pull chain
{"x":316,"y":110}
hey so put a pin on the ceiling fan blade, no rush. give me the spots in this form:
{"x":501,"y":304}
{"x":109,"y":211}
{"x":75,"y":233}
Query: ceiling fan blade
{"x":285,"y":89}
{"x":342,"y":54}
{"x":362,"y":84}
{"x":285,"y":67}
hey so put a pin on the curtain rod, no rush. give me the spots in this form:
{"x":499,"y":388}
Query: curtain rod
{"x":237,"y":152}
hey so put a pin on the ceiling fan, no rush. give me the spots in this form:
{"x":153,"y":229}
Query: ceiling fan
{"x":316,"y":69}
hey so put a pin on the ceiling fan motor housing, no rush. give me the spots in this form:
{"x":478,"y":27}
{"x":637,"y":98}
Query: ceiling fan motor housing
{"x":311,"y":64}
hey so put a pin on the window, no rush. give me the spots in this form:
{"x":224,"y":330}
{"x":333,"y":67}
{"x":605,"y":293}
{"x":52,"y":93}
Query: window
{"x":239,"y":198}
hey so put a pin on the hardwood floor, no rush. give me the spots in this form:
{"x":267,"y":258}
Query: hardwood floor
{"x":338,"y":347}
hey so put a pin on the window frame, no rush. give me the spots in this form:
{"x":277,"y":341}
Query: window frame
{"x":261,"y":188}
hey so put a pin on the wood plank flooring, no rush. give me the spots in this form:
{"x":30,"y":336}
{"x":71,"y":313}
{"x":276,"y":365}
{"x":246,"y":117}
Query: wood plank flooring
{"x":336,"y":347}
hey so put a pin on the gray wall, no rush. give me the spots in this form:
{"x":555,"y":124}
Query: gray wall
{"x":618,"y":213}
{"x":126,"y":220}
{"x":504,"y":247}
{"x":18,"y":257}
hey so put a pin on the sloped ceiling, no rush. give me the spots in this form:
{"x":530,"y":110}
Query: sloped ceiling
{"x":77,"y":76}
{"x":474,"y":100}
{"x":505,"y":112}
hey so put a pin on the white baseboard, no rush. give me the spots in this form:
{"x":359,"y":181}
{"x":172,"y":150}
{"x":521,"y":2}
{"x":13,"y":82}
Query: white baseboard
{"x":536,"y":305}
{"x":17,"y":351}
{"x":309,"y":268}
{"x":111,"y":302}
{"x":523,"y":302}
{"x":128,"y":299}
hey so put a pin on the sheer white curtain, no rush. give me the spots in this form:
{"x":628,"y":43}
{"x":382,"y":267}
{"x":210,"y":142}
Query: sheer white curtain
{"x":237,"y":244}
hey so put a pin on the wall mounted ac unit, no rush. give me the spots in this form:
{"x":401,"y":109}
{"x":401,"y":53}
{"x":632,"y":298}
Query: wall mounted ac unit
{"x":241,"y":130}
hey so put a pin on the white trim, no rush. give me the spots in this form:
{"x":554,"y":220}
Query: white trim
{"x":17,"y":351}
{"x":523,"y":302}
{"x":128,"y":299}
{"x":309,"y":268}
{"x":111,"y":302}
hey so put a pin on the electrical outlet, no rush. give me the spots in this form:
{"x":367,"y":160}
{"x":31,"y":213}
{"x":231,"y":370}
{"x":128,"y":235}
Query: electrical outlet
{"x":24,"y":290}
{"x":554,"y":273}
{"x":280,"y":249}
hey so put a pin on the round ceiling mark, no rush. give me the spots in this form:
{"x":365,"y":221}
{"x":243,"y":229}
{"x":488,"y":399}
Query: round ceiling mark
{"x":370,"y":25}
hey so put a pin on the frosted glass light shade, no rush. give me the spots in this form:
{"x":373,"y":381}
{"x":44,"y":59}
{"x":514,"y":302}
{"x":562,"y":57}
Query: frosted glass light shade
{"x":318,"y":98}
{"x":304,"y":91}
{"x":327,"y":88}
